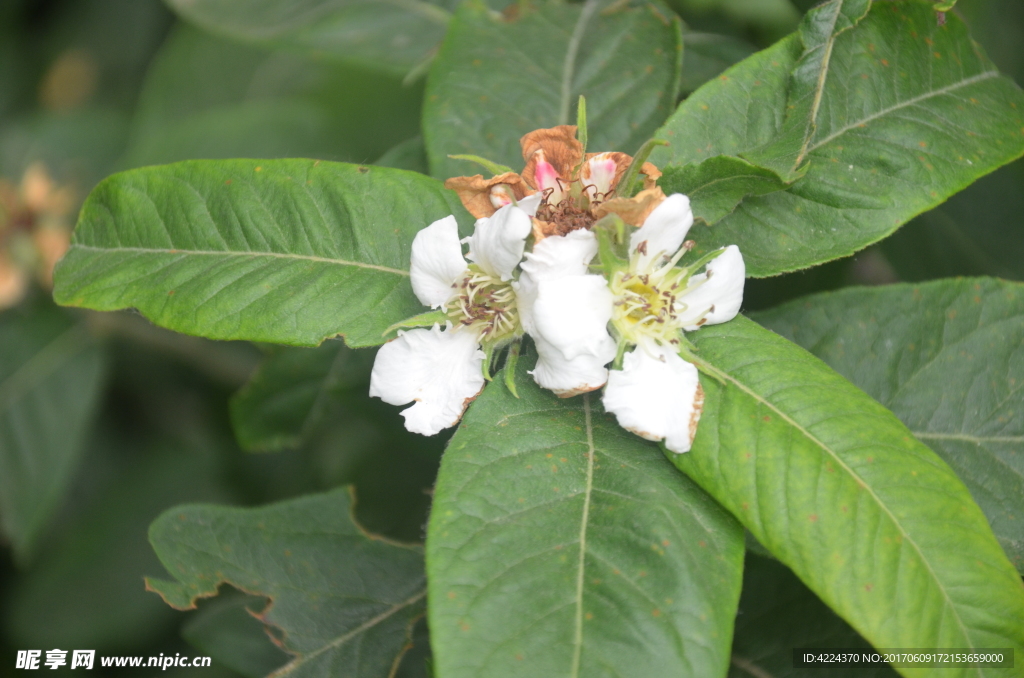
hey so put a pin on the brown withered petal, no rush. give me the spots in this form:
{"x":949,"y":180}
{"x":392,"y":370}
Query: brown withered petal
{"x":475,"y":191}
{"x":622,"y":162}
{"x":557,"y":145}
{"x":634,"y":211}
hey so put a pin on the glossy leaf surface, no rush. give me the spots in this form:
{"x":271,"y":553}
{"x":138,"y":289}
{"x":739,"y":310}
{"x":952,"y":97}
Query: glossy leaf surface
{"x":51,"y":374}
{"x":947,"y":358}
{"x":496,"y":79}
{"x":561,"y":545}
{"x":285,"y":251}
{"x":840,"y":491}
{"x":908,"y":113}
{"x":345,"y":602}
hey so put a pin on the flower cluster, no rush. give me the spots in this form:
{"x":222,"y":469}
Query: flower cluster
{"x":34,"y":232}
{"x":601,"y":292}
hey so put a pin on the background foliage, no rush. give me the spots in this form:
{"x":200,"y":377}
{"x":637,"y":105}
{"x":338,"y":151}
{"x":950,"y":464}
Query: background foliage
{"x":108,"y":422}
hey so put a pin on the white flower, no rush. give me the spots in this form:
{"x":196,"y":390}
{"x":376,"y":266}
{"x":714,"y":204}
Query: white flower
{"x":566,"y":311}
{"x":657,"y":394}
{"x":441,"y":370}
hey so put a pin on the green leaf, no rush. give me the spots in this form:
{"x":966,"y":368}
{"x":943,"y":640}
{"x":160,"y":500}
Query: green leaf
{"x":283,"y":251}
{"x":392,"y":36}
{"x":288,"y":395}
{"x":839,"y":490}
{"x":85,"y":589}
{"x":343,"y":601}
{"x":717,"y":185}
{"x":496,"y":79}
{"x":51,"y":378}
{"x":707,"y":55}
{"x":976,"y":232}
{"x":207,"y":98}
{"x":819,"y":30}
{"x":561,"y":545}
{"x":226,"y":630}
{"x":408,"y":155}
{"x":944,"y":356}
{"x":777,"y":614}
{"x":898,"y":130}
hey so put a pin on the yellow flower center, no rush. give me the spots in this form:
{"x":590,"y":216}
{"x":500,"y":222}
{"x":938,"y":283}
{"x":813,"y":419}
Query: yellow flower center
{"x":485,"y":304}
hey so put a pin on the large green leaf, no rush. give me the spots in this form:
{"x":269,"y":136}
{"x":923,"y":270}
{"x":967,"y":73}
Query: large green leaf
{"x":839,"y":490}
{"x":207,"y":98}
{"x":908,"y":113}
{"x":285,"y":251}
{"x":496,"y":79}
{"x":561,"y":545}
{"x":390,"y":35}
{"x":226,"y":630}
{"x":343,"y":602}
{"x":288,"y":395}
{"x":51,"y":374}
{"x":946,"y":358}
{"x":85,"y":589}
{"x":778,"y":614}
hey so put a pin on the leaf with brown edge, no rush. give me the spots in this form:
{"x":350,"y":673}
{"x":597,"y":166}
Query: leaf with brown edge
{"x":342,"y":601}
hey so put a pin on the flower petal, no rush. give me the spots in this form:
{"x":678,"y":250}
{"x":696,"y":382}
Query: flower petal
{"x":437,"y":262}
{"x":498,"y":242}
{"x":561,"y":255}
{"x":656,"y":395}
{"x":482,"y":197}
{"x":716,"y":296}
{"x":569,"y":377}
{"x":572,"y":312}
{"x":663,"y":232}
{"x":601,"y":173}
{"x":530,"y":203}
{"x":439,"y":370}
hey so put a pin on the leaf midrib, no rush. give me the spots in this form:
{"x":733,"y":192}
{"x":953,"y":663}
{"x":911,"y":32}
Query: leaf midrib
{"x":577,"y":649}
{"x":569,"y":65}
{"x":831,"y":453}
{"x":234,"y":253}
{"x":344,"y":638}
{"x":984,"y":75}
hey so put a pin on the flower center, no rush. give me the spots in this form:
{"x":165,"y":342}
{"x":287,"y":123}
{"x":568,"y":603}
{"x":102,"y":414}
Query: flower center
{"x":645,"y":306}
{"x":485,"y":304}
{"x":566,"y":216}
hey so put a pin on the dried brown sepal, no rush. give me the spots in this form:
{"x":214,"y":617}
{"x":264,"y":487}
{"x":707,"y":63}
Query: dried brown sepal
{"x":634,"y":211}
{"x":475,"y":191}
{"x":651,"y":175}
{"x":556,"y":145}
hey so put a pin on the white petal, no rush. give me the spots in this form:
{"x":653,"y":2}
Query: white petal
{"x":439,"y":370}
{"x":436,"y":261}
{"x":572,"y":315}
{"x":561,"y":255}
{"x":498,"y":241}
{"x":663,"y":232}
{"x":530,"y":203}
{"x":570,"y":377}
{"x":657,"y":396}
{"x":716,"y":295}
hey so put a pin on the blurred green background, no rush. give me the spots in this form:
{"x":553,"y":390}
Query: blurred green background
{"x":138,"y":419}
